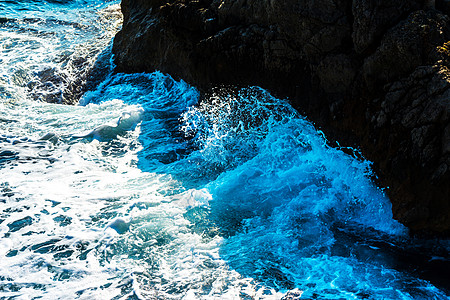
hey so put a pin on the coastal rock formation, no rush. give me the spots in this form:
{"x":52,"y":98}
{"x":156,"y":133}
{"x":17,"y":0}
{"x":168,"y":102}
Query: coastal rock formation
{"x":374,"y":74}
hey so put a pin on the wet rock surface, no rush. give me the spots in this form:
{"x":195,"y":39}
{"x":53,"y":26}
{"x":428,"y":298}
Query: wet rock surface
{"x":372,"y":74}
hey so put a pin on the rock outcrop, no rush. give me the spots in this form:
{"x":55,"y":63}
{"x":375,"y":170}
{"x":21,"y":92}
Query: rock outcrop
{"x":371,"y":73}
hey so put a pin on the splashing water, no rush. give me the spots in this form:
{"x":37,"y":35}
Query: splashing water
{"x":47,"y":48}
{"x":141,"y":193}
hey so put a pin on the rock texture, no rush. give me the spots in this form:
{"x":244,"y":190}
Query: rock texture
{"x":372,"y":73}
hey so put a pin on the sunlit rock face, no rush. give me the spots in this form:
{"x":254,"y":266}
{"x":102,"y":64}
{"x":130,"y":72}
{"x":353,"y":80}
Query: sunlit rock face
{"x":373,"y":74}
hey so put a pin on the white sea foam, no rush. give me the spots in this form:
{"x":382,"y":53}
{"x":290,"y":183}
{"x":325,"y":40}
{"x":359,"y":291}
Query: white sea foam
{"x":140,"y":192}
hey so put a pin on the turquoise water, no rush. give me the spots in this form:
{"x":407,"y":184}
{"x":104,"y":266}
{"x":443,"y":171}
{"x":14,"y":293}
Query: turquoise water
{"x":140,"y":192}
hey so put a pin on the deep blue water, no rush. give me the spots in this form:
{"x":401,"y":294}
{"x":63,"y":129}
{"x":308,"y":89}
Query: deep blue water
{"x":141,"y":192}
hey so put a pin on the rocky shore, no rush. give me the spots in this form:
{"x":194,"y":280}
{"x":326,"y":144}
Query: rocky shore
{"x":374,"y":74}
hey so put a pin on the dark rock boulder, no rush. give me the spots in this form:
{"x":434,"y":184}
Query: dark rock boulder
{"x":407,"y":119}
{"x":371,"y":73}
{"x":373,"y":18}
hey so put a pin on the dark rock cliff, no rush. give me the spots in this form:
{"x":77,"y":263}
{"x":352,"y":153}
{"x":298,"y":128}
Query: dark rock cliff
{"x":371,"y":73}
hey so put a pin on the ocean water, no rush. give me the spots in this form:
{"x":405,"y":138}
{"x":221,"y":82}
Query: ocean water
{"x":140,"y":191}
